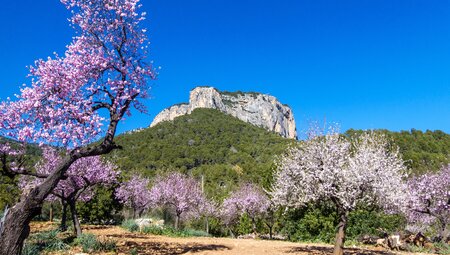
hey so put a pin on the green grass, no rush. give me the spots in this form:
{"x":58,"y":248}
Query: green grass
{"x":172,"y":232}
{"x":44,"y":242}
{"x":130,"y":225}
{"x":90,"y":243}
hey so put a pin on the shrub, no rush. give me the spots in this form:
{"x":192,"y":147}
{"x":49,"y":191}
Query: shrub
{"x":90,"y":243}
{"x":363,"y":222}
{"x":130,"y":225}
{"x":154,"y":230}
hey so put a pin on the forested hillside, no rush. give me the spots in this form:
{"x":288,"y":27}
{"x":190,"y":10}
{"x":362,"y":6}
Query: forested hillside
{"x":422,"y":151}
{"x":207,"y":142}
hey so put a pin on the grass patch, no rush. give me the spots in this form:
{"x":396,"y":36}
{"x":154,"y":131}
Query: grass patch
{"x":90,"y":243}
{"x":130,"y":225}
{"x":172,"y":232}
{"x":44,"y":242}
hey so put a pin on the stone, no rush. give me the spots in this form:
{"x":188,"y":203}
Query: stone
{"x":255,"y":108}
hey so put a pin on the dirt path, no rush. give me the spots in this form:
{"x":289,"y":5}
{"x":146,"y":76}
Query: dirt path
{"x":150,"y":244}
{"x":145,"y":244}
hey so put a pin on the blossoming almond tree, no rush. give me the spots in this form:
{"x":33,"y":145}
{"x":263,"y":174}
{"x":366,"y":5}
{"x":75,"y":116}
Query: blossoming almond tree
{"x":178,"y":192}
{"x":248,"y":199}
{"x":135,"y":194}
{"x":345,"y":172}
{"x":429,"y":200}
{"x":104,"y":69}
{"x":81,"y":177}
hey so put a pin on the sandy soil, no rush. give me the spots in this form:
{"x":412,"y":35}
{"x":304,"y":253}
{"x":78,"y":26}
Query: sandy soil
{"x":162,"y":245}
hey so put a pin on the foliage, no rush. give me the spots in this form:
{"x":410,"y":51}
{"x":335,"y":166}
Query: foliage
{"x":312,"y":223}
{"x":90,"y":243}
{"x":316,"y":223}
{"x":370,"y":222}
{"x":103,"y":208}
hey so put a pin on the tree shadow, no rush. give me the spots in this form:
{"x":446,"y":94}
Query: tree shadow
{"x":160,"y":248}
{"x":321,"y":250}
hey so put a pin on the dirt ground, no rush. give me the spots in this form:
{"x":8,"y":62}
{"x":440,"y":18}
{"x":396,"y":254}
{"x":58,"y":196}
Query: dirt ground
{"x":162,"y":245}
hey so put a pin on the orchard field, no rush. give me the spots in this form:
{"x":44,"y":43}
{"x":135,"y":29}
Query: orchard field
{"x":140,"y":243}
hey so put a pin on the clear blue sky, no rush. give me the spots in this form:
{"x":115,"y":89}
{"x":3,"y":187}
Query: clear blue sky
{"x":364,"y":64}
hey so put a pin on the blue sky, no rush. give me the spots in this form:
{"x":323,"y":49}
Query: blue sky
{"x":363,"y":64}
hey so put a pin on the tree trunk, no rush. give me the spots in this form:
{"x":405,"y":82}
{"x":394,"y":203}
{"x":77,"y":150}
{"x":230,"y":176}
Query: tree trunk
{"x":207,"y":225}
{"x":16,"y":226}
{"x":231,"y":233}
{"x":177,"y":221}
{"x":63,"y":225}
{"x":443,"y":235}
{"x":270,"y":231}
{"x":254,"y":226}
{"x":51,"y":212}
{"x":340,"y":235}
{"x":76,"y":223}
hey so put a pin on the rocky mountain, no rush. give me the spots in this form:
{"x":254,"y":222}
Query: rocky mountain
{"x":255,"y":108}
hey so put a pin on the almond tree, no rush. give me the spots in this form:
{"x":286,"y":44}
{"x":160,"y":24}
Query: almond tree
{"x":135,"y":194}
{"x":80,"y":179}
{"x":348,"y":173}
{"x":249,"y":200}
{"x":178,"y":192}
{"x":78,"y":98}
{"x":429,"y":200}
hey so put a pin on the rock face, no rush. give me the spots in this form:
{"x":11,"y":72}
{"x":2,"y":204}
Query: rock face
{"x":258,"y":109}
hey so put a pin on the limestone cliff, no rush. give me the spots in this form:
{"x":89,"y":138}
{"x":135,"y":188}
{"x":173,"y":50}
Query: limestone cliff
{"x":255,"y":108}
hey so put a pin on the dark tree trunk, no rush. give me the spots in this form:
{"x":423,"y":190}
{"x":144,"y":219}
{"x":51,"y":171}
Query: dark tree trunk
{"x":340,"y":235}
{"x":231,"y":233}
{"x":270,"y":226}
{"x":16,"y":226}
{"x":177,"y":221}
{"x":444,"y":233}
{"x":254,"y":226}
{"x":76,"y":223}
{"x":51,"y":212}
{"x":63,"y":225}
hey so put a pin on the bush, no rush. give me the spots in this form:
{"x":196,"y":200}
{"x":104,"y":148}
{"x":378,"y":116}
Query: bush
{"x":363,"y":222}
{"x":316,"y":224}
{"x":90,"y":243}
{"x":130,"y":225}
{"x":154,"y":230}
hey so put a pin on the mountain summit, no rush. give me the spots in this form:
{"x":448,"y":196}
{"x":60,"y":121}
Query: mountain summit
{"x":255,"y":108}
